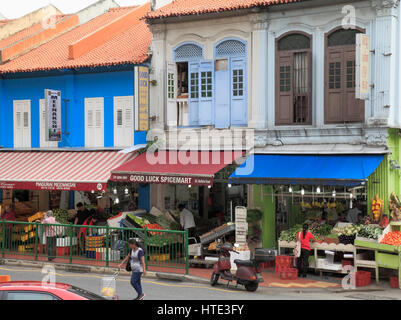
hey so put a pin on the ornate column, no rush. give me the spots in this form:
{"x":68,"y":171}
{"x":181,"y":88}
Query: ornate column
{"x":383,"y":74}
{"x":158,"y":98}
{"x":257,"y":107}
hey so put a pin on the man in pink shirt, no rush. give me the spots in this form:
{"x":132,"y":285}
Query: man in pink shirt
{"x":8,"y":215}
{"x":51,"y":234}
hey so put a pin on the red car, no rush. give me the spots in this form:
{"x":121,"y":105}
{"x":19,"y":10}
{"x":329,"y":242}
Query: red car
{"x":35,"y":290}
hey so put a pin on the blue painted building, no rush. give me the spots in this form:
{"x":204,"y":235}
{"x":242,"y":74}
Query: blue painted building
{"x":98,"y":84}
{"x":75,"y":87}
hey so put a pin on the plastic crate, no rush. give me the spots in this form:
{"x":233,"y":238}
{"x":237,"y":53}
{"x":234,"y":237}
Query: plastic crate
{"x":91,"y":254}
{"x":394,"y":282}
{"x":362,"y":278}
{"x":284,"y":261}
{"x":289,"y":274}
{"x":279,"y":269}
{"x":267,"y":265}
{"x":63,"y":251}
{"x":345,"y":262}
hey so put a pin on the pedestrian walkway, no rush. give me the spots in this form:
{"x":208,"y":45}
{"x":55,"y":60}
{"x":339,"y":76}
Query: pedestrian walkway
{"x":271,"y":279}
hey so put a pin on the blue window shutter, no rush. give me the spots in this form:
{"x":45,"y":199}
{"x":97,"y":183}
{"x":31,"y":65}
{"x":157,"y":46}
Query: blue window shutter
{"x":206,"y":93}
{"x":193,"y":93}
{"x":223,"y":98}
{"x":239,"y":110}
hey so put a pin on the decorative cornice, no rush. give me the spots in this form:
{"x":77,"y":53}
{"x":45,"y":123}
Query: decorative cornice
{"x":158,"y":31}
{"x":259,"y":21}
{"x":384,"y":7}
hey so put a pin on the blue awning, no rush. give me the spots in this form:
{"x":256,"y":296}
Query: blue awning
{"x":335,"y":170}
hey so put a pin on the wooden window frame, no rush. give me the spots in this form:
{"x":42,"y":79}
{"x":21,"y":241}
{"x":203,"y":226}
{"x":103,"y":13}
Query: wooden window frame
{"x":290,"y":119}
{"x":346,"y":115}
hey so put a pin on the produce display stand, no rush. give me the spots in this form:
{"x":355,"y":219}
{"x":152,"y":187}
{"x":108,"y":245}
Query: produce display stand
{"x":315,"y":246}
{"x":386,"y":256}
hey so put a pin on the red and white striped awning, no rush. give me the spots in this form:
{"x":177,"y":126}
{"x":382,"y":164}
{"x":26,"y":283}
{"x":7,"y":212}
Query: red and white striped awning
{"x":59,"y":170}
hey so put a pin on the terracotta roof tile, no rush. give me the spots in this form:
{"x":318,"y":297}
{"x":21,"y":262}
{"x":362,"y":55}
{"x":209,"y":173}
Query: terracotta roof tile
{"x":129,"y":46}
{"x":193,"y":7}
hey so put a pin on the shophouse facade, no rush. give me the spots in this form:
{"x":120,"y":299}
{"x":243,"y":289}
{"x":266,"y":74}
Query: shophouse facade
{"x":286,"y":70}
{"x":95,"y":63}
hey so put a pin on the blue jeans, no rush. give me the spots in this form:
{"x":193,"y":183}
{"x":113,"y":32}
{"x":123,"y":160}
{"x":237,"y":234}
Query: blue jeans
{"x":136,"y":282}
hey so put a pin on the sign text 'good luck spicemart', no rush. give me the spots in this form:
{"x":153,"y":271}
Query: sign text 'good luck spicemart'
{"x":162,"y":179}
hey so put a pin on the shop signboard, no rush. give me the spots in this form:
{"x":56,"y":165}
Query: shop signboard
{"x":51,"y":185}
{"x":53,"y":115}
{"x":162,"y":179}
{"x":142,"y":100}
{"x":362,"y":64}
{"x":241,"y":226}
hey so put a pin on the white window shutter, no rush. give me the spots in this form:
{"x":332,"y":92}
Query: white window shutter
{"x":94,"y":122}
{"x":172,"y":84}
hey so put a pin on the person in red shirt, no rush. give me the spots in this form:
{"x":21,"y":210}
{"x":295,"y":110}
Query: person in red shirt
{"x":305,"y":237}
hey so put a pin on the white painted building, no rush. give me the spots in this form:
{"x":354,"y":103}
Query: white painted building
{"x":195,"y":39}
{"x":294,"y":67}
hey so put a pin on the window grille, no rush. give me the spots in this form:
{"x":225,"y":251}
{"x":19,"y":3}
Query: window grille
{"x":188,"y":52}
{"x":230,"y":48}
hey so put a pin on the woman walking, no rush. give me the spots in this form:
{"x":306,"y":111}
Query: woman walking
{"x":305,"y":237}
{"x":138,"y":268}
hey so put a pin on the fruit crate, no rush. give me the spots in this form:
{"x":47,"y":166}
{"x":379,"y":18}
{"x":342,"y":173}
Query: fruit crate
{"x":289,"y":274}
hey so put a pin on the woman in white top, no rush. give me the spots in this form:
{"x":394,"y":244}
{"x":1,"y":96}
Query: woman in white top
{"x":138,"y":267}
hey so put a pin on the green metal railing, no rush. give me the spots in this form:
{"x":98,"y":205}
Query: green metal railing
{"x":94,"y":245}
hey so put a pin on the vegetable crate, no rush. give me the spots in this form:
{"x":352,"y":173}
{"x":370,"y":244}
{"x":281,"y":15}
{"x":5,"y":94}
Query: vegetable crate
{"x":289,"y":274}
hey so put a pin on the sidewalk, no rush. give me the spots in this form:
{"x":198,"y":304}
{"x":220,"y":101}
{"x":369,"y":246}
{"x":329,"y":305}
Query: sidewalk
{"x":200,"y":275}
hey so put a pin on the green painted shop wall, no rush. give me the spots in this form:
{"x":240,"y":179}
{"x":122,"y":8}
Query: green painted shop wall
{"x":385,"y":180}
{"x":267,"y":205}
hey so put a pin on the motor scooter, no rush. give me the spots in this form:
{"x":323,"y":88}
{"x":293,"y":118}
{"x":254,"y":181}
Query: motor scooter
{"x":249,"y":272}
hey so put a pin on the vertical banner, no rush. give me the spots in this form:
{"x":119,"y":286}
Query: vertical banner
{"x":362,"y":65}
{"x":53,"y":115}
{"x":142,"y":99}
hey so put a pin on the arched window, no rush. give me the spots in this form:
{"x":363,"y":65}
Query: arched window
{"x":295,"y":41}
{"x":230,"y":48}
{"x":340,"y":103}
{"x":188,"y":52}
{"x":293,"y":79}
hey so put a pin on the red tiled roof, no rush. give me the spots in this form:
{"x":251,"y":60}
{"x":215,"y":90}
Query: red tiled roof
{"x":129,"y":46}
{"x":193,"y":7}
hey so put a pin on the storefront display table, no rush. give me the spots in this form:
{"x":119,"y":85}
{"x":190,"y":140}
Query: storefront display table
{"x":386,"y":256}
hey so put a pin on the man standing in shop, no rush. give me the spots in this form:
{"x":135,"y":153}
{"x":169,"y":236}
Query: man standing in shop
{"x":187,"y":220}
{"x":81,"y":216}
{"x":8,"y":215}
